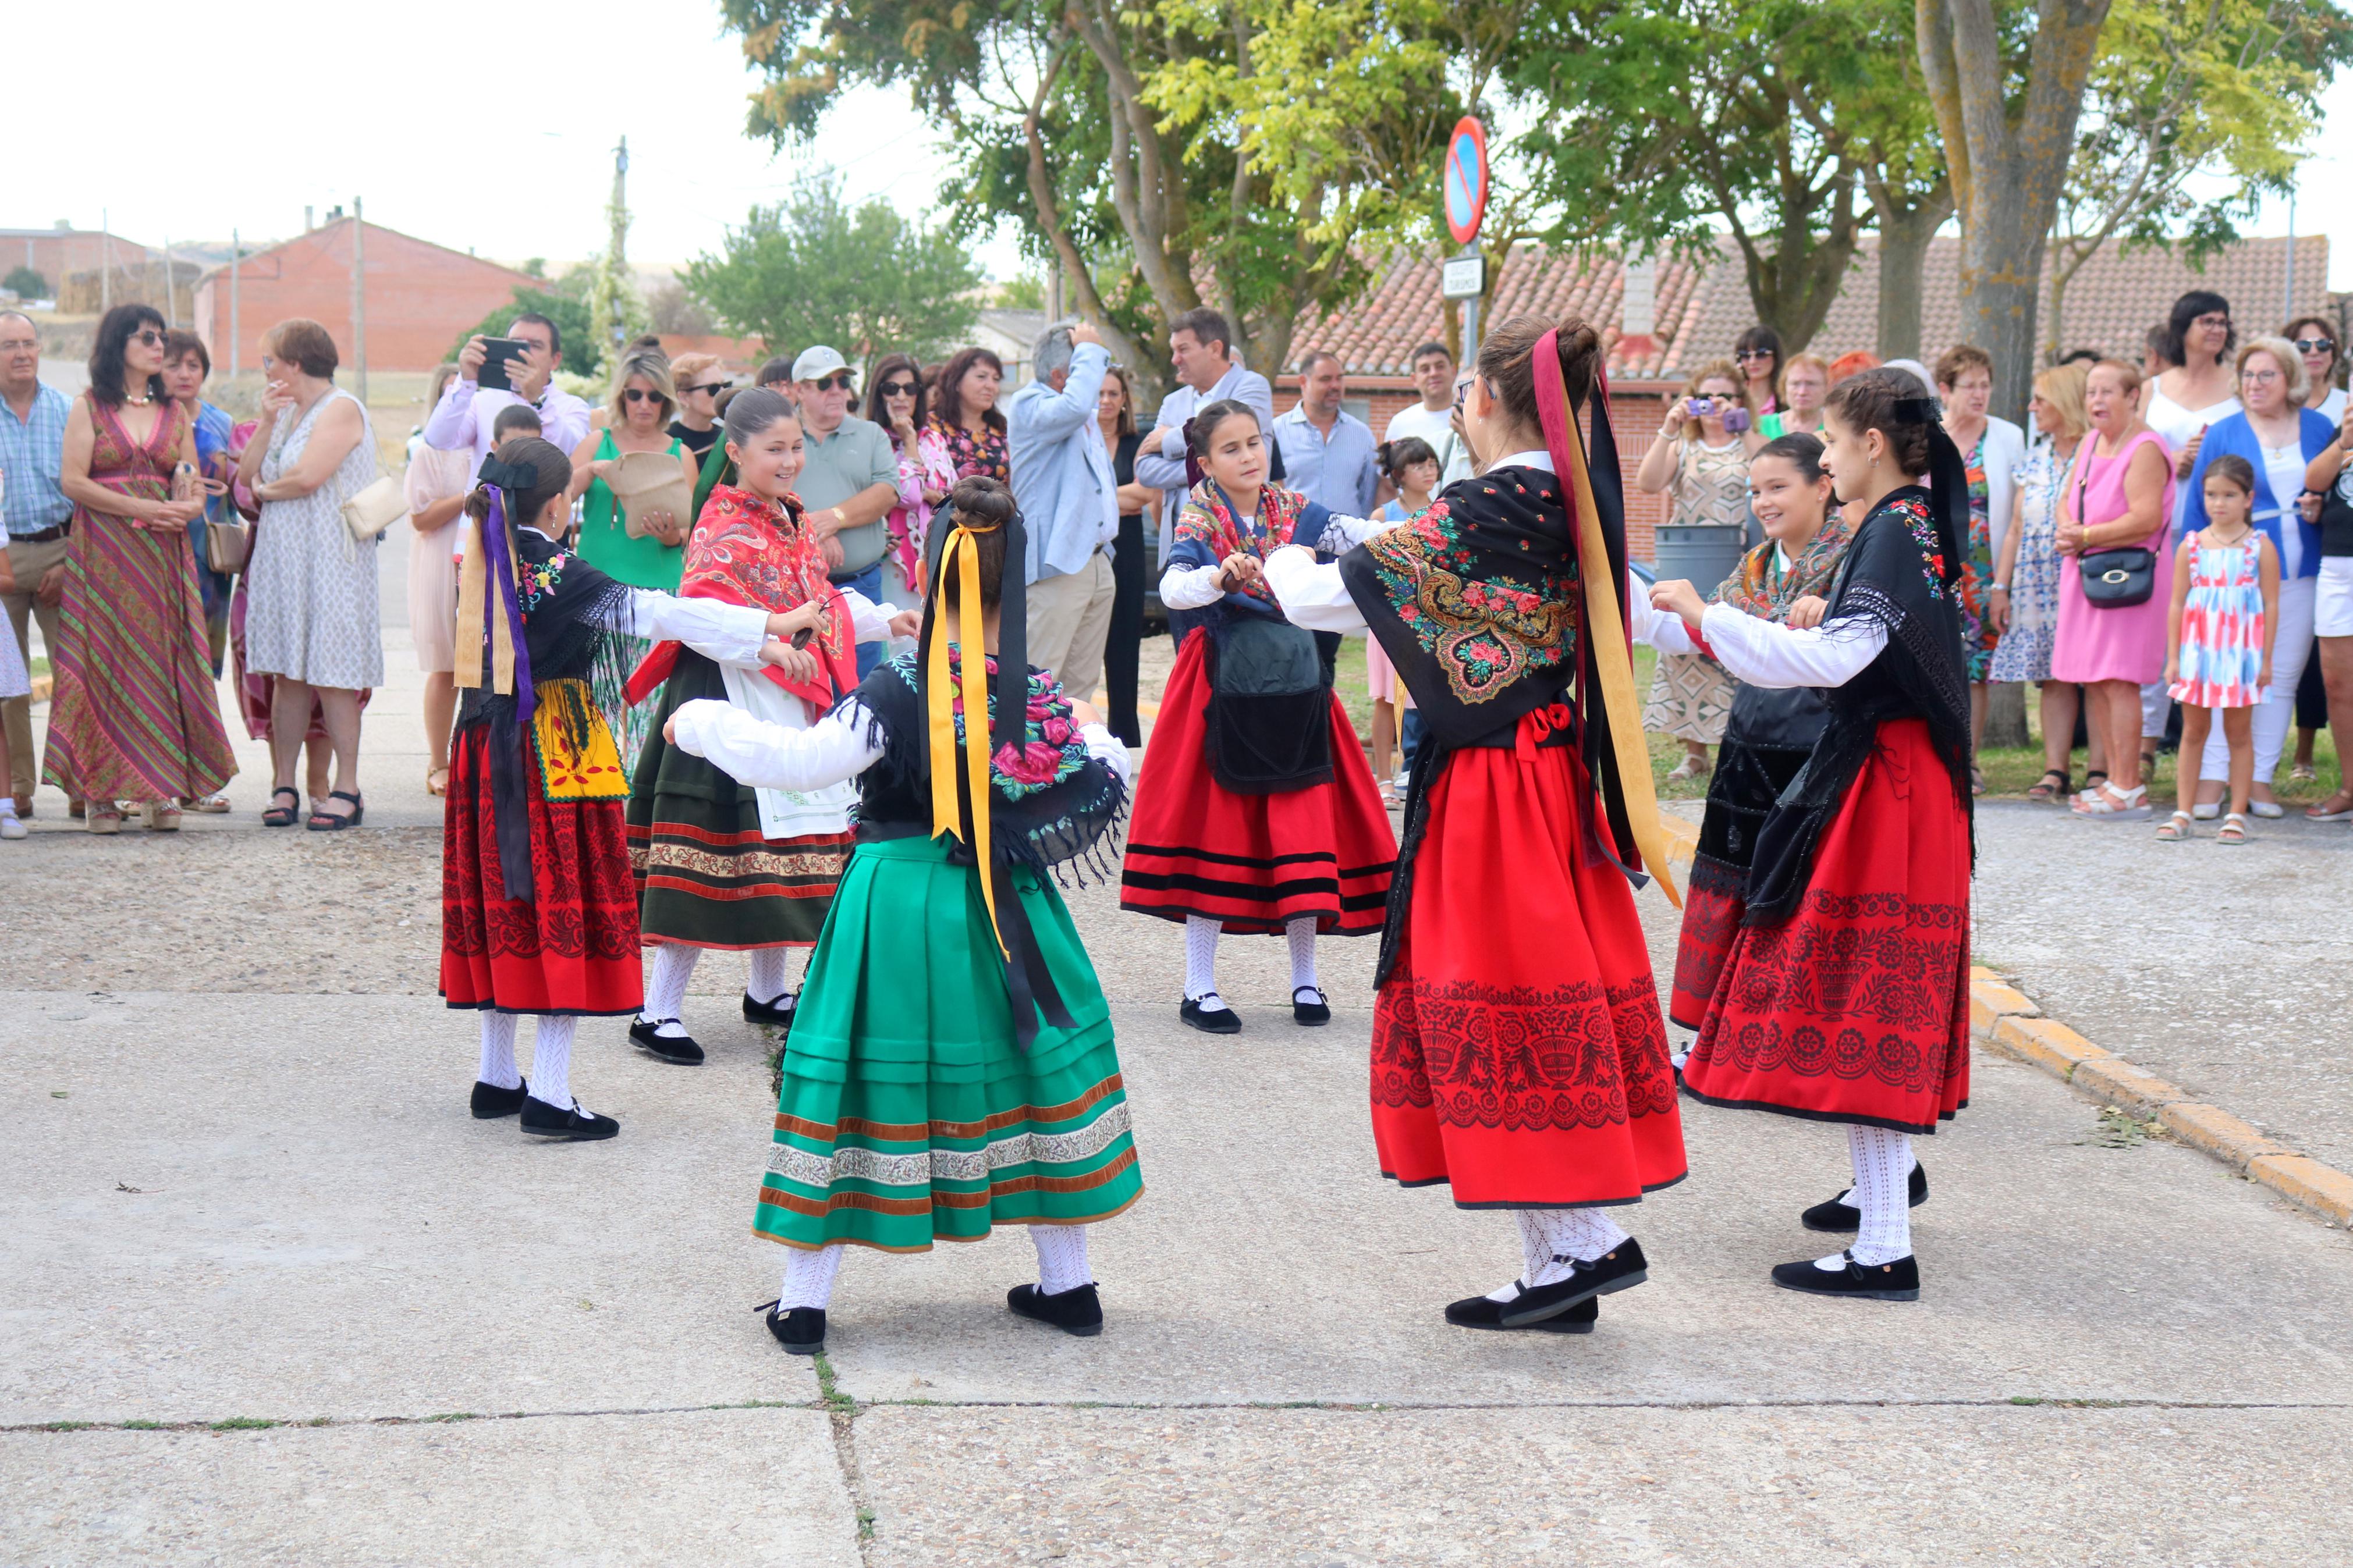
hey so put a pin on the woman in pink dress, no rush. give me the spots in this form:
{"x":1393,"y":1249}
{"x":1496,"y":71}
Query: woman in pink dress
{"x":2119,"y":495}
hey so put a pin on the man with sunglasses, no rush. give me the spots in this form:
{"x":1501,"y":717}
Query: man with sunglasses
{"x":851,"y":480}
{"x":464,"y":418}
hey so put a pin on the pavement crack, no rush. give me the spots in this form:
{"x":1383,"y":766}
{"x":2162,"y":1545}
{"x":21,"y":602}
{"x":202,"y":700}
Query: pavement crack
{"x":842,"y":1413}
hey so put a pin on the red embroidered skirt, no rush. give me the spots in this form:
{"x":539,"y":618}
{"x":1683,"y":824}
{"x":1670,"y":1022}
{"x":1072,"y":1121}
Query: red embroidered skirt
{"x":1253,"y":862}
{"x":574,"y":948}
{"x":1712,"y":910}
{"x":1517,"y":1048}
{"x":1857,"y":1007}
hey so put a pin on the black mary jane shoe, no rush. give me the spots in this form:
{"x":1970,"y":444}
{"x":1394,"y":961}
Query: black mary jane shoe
{"x":1309,"y":1013}
{"x":1838,"y":1215}
{"x":1621,"y":1268}
{"x":568,"y":1124}
{"x":1215,"y":1021}
{"x":275,"y":814}
{"x":679,"y":1050}
{"x":801,"y":1330}
{"x":1896,"y":1281}
{"x":1479,"y":1312}
{"x":1077,"y":1311}
{"x":328,"y":822}
{"x":491,"y":1101}
{"x":777,"y":1015}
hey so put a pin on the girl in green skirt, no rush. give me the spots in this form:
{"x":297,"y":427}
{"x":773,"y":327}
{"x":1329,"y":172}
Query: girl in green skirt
{"x":951,"y":1064}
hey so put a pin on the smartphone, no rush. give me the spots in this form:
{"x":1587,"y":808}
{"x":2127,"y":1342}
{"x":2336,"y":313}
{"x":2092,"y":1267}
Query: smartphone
{"x":496,"y":354}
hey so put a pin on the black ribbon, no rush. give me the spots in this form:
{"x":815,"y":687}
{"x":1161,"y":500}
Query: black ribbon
{"x":516,"y":477}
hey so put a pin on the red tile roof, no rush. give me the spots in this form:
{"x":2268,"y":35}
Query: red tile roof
{"x":1701,"y":309}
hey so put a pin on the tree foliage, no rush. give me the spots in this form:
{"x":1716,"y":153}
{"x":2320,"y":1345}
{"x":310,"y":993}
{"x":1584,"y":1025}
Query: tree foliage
{"x":813,"y":269}
{"x":26,"y":284}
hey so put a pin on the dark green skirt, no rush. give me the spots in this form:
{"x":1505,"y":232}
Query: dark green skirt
{"x":909,"y":1115}
{"x":705,"y":876}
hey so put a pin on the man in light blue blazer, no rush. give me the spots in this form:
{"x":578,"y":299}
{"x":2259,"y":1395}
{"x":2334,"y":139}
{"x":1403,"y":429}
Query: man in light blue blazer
{"x":1070,"y":503}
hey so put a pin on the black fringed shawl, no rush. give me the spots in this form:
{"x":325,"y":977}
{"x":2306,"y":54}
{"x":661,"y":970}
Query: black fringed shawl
{"x":1902,"y":572}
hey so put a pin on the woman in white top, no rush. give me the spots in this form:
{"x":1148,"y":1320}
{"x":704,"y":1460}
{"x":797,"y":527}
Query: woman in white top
{"x":2203,"y":386}
{"x":2324,"y":365}
{"x":311,"y":618}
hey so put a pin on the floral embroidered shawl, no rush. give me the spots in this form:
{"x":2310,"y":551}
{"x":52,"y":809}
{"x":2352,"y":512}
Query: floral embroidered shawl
{"x":1208,"y":523}
{"x":1753,"y":589}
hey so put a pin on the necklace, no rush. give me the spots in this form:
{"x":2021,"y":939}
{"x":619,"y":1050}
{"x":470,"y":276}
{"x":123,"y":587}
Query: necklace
{"x":138,"y":402}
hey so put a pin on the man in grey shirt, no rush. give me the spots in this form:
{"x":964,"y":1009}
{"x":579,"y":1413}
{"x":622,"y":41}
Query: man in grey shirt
{"x":1070,"y":503}
{"x":1328,"y":452}
{"x":852,"y":481}
{"x":1201,"y":345}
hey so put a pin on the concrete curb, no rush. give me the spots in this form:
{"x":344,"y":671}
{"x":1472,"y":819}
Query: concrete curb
{"x":2003,"y":1018}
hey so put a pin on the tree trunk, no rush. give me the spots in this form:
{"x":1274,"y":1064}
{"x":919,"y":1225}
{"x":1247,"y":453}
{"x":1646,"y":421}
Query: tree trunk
{"x":2006,"y":715}
{"x":2002,"y":260}
{"x":1904,"y":240}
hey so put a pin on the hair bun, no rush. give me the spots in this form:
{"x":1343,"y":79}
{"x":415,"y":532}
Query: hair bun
{"x":981,"y":503}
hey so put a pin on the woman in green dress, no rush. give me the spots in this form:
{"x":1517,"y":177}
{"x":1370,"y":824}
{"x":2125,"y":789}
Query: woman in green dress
{"x":951,"y":1064}
{"x":638,"y":417}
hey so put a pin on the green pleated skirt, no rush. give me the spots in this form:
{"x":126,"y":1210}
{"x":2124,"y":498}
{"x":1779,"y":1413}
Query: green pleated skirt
{"x":908,"y":1114}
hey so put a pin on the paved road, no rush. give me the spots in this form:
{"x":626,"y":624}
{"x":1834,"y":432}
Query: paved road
{"x":240,"y":1187}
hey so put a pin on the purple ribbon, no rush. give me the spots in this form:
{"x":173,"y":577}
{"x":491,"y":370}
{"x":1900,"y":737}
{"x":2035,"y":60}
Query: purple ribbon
{"x":503,"y":574}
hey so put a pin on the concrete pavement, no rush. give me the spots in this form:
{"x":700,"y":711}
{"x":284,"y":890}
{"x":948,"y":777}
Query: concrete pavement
{"x":240,"y":1188}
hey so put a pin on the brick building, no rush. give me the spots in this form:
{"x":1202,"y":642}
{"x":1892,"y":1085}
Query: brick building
{"x":59,"y":252}
{"x":419,"y":295}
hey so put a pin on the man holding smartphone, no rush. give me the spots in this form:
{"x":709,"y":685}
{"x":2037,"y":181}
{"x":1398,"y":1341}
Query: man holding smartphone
{"x":462,"y":420}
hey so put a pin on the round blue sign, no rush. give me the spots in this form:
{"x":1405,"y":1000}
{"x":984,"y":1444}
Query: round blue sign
{"x":1465,"y":180}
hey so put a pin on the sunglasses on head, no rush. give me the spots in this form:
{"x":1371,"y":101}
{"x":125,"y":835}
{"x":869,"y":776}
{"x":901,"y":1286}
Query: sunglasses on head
{"x":840,"y":383}
{"x":897,"y":389}
{"x":2314,"y":346}
{"x":639,"y":395}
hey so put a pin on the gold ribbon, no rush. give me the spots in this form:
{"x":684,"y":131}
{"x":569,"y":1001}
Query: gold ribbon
{"x":473,"y":589}
{"x":961,"y":556}
{"x":1607,"y":628}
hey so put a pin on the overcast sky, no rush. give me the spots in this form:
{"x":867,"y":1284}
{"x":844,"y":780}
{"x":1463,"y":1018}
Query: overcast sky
{"x":269,"y":105}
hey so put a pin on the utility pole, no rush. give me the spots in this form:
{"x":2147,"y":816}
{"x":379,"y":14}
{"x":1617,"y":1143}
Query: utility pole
{"x":105,"y":263}
{"x":172,"y":292}
{"x":235,"y":265}
{"x":359,"y":299}
{"x":2287,"y":307}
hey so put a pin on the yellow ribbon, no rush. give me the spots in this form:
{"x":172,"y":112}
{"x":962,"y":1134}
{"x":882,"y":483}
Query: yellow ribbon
{"x":1607,"y":628}
{"x":473,"y":589}
{"x":962,"y":557}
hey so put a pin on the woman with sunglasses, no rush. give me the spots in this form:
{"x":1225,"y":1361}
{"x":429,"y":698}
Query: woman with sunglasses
{"x":2324,"y":365}
{"x":639,"y":408}
{"x":926,"y":474}
{"x":699,"y":379}
{"x":1757,"y":353}
{"x":133,"y":716}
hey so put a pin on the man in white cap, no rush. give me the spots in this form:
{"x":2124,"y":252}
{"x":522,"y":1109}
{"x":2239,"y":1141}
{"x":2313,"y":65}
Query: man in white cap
{"x":852,"y":481}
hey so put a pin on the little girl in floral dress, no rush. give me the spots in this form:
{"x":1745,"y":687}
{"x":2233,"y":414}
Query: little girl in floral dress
{"x":2220,"y":630}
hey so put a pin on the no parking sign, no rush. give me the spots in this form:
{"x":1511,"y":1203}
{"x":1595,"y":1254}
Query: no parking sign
{"x":1466,"y":179}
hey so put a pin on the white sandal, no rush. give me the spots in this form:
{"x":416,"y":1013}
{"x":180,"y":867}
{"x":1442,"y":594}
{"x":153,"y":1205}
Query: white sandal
{"x":2233,"y":831}
{"x":2174,"y":829}
{"x":2118,"y":805}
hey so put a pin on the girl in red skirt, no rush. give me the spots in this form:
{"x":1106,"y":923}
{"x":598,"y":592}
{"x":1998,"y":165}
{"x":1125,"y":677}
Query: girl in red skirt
{"x":1518,"y":1055}
{"x":538,"y":911}
{"x":1256,"y":812}
{"x":1845,"y":995}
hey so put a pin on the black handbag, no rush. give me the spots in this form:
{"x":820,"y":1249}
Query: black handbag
{"x":2118,"y":578}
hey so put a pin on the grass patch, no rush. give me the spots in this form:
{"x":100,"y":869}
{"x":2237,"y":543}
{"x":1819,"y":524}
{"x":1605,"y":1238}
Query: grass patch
{"x":143,"y":1427}
{"x":244,"y":1423}
{"x":2026,"y":1399}
{"x":2120,"y":1129}
{"x":455,"y":1416}
{"x":68,"y":1426}
{"x":829,"y":1391}
{"x":865,"y":1524}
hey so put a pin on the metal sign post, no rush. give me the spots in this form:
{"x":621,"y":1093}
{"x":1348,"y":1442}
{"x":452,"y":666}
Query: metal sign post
{"x":1464,"y":276}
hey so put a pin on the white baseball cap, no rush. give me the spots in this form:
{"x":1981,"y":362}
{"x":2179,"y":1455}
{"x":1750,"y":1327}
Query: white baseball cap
{"x":816,"y":362}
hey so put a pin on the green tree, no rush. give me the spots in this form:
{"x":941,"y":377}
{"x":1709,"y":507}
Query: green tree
{"x":564,"y":302}
{"x":2181,"y":89}
{"x":814,"y":270}
{"x":26,"y":284}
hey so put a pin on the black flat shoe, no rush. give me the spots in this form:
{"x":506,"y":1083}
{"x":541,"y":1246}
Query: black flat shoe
{"x":1217,"y":1021}
{"x":1621,"y":1270}
{"x":1838,"y":1214}
{"x":679,"y":1050}
{"x":491,"y":1101}
{"x":569,"y":1125}
{"x":1896,"y":1281}
{"x":800,"y":1331}
{"x":777,"y":1014}
{"x":1311,"y":1013}
{"x":1078,"y":1312}
{"x":1479,"y":1313}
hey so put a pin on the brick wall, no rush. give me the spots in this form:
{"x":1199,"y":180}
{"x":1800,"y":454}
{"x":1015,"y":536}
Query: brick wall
{"x":1636,"y":409}
{"x":420,"y":296}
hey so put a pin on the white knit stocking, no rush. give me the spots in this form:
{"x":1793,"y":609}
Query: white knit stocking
{"x":1202,"y":961}
{"x":1300,"y":934}
{"x":498,"y":1069}
{"x":771,"y":971}
{"x":809,"y":1278}
{"x":1551,"y":1238}
{"x":1883,"y":1171}
{"x":666,"y":985}
{"x":1062,"y":1257}
{"x":551,"y":1060}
